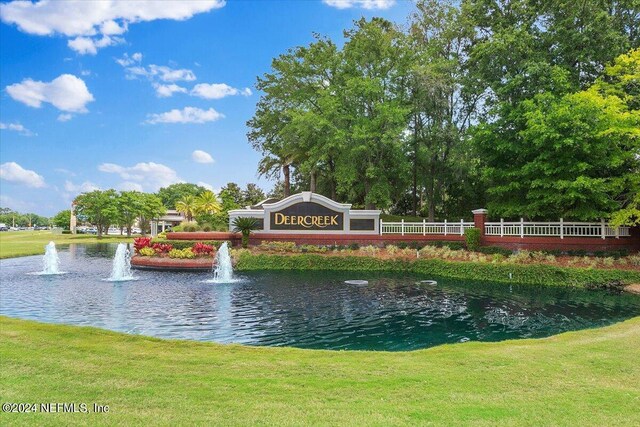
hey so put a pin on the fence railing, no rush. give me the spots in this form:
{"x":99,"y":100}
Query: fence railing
{"x":555,"y":229}
{"x":520,"y":228}
{"x":424,"y":228}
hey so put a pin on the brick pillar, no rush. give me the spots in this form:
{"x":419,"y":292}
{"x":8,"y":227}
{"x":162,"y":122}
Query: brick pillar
{"x":479,"y":218}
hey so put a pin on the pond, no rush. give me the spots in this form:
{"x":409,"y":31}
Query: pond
{"x":300,"y":309}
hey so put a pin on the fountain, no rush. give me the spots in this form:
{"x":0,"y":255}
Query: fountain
{"x":121,"y":270}
{"x":223,"y":272}
{"x":50,"y":260}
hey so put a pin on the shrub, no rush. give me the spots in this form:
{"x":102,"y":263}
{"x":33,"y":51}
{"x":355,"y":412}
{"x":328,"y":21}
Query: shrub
{"x":370,"y":250}
{"x":162,"y":248}
{"x":472,"y":238}
{"x":190,"y":228}
{"x":182,"y":253}
{"x":200,"y":248}
{"x":634,"y":260}
{"x":491,"y":250}
{"x":141,"y":242}
{"x":245,"y":226}
{"x":392,"y":250}
{"x":207,"y":227}
{"x":520,"y":257}
{"x":146,"y":251}
{"x":313,"y":249}
{"x":66,"y":231}
{"x":279,"y":246}
{"x":354,"y":246}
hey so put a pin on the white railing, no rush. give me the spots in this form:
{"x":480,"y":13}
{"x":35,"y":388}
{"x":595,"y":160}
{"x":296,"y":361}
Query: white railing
{"x":555,"y":229}
{"x":424,"y":228}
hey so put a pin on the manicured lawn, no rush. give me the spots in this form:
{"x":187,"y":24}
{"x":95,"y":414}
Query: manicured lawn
{"x":21,"y":243}
{"x":590,"y":377}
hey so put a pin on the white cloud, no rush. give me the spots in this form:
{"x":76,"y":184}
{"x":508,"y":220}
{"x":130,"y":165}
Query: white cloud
{"x":200,"y":156}
{"x":217,"y":91}
{"x":13,"y":172}
{"x":85,"y":73}
{"x":87,"y":45}
{"x":186,"y":115}
{"x":165,"y":91}
{"x":65,"y":171}
{"x":168,"y":74}
{"x":66,"y":92}
{"x":17,"y":127}
{"x":92,"y":24}
{"x":65,"y":117}
{"x":127,"y":60}
{"x":150,"y":176}
{"x":85,"y":187}
{"x":365,"y":4}
{"x":207,"y":186}
{"x":130,"y":186}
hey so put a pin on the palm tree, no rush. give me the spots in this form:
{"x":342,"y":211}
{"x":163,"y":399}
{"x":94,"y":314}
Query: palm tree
{"x":272,"y":165}
{"x":187,"y":206}
{"x":207,"y":202}
{"x":245,"y":225}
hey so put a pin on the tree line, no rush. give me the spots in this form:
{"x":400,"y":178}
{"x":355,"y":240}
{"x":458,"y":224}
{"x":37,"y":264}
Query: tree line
{"x":529,"y":108}
{"x":124,"y":209}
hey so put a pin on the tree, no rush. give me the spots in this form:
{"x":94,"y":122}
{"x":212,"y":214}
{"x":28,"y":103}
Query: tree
{"x":580,"y":153}
{"x":62,"y":219}
{"x":188,"y":206}
{"x":207,"y":202}
{"x":173,"y":193}
{"x":151,"y":207}
{"x":252,"y":194}
{"x":97,"y":207}
{"x":244,"y":225}
{"x":129,"y":206}
{"x":528,"y":55}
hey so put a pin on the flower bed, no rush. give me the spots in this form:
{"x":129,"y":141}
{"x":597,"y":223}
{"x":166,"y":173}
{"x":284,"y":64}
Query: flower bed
{"x":164,"y":255}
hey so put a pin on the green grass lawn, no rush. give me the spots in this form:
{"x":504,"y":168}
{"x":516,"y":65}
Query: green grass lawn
{"x":590,"y":377}
{"x":21,"y":243}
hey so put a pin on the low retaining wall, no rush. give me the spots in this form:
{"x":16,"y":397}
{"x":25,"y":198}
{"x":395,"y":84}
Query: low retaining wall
{"x":591,"y":244}
{"x":171,"y":264}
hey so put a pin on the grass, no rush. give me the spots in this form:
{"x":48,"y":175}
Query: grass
{"x":22,"y":243}
{"x":588,"y":378}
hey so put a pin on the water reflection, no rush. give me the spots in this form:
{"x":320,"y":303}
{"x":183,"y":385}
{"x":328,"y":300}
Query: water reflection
{"x":301,"y":309}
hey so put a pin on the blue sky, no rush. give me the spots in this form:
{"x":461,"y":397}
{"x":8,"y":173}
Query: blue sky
{"x":99,"y":95}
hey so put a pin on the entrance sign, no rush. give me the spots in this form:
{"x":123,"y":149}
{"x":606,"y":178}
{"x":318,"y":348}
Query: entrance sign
{"x":310,"y":213}
{"x":307,"y":216}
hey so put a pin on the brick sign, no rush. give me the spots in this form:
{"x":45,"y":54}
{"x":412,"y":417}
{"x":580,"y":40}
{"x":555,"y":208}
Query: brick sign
{"x":307,"y":216}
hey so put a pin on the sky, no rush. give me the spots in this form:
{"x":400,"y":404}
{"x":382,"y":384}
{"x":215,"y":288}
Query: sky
{"x":140,"y":95}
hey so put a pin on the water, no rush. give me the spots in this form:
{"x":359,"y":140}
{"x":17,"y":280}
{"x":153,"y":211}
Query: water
{"x":300,"y":309}
{"x":223,"y":272}
{"x":50,"y":261}
{"x":121,"y":268}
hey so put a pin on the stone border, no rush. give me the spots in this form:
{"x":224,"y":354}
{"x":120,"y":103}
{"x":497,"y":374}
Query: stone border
{"x":171,"y":264}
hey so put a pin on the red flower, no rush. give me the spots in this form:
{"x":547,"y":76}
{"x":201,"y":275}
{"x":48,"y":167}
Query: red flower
{"x":141,"y":242}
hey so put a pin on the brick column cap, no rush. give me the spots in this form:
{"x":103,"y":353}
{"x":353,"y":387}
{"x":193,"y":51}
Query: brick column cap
{"x":480,"y":212}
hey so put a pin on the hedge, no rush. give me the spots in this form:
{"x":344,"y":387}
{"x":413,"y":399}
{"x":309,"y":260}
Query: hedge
{"x":533,"y":274}
{"x":184,"y":244}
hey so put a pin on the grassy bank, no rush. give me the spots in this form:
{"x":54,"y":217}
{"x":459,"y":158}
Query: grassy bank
{"x":22,"y":243}
{"x":581,"y":378}
{"x":534,"y":274}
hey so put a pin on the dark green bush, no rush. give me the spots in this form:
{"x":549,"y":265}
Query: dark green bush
{"x":66,"y":231}
{"x":472,"y":238}
{"x":532,"y":274}
{"x":184,"y":244}
{"x":207,"y":227}
{"x":354,"y":246}
{"x":492,"y":250}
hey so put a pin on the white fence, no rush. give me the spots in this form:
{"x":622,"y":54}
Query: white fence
{"x":520,"y":228}
{"x":555,"y":229}
{"x":424,"y":228}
